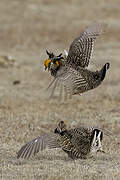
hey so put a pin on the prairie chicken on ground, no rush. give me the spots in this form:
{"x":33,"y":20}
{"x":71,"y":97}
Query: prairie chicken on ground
{"x":77,"y":143}
{"x":70,"y":73}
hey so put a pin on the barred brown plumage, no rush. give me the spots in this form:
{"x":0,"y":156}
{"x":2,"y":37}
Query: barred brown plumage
{"x":70,"y":73}
{"x":77,"y":143}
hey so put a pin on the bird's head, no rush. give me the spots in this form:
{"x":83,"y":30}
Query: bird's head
{"x":53,"y":62}
{"x":61,"y":128}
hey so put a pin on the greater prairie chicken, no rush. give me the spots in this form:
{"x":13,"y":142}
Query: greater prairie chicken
{"x":77,"y":143}
{"x":70,"y":73}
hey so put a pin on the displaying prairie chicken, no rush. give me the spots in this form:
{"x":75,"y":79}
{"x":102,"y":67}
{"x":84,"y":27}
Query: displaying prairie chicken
{"x":77,"y":143}
{"x":70,"y":73}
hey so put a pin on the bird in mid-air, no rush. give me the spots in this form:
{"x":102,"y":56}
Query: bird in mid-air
{"x":70,"y":72}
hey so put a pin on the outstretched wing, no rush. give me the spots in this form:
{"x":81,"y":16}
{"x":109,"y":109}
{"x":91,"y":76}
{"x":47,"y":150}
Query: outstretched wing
{"x":68,"y":81}
{"x":38,"y":144}
{"x":80,"y":50}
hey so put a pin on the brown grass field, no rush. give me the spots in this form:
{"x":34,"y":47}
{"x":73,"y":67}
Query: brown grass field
{"x":27,"y":29}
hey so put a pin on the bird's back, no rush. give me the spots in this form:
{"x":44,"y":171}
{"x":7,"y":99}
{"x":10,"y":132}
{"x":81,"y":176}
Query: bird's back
{"x":77,"y":142}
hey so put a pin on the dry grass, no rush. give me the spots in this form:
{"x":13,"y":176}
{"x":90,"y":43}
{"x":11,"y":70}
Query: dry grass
{"x":27,"y":28}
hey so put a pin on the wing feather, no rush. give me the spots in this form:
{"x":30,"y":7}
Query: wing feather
{"x":38,"y":144}
{"x":68,"y":82}
{"x":81,"y":48}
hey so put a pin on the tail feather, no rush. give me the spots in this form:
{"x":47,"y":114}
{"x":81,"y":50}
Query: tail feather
{"x":103,"y":70}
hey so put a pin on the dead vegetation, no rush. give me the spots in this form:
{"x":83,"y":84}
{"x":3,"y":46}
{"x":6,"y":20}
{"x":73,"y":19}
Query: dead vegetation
{"x":27,"y":28}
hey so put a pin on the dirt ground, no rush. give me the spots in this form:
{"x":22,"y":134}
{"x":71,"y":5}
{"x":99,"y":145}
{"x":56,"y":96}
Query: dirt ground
{"x":27,"y":29}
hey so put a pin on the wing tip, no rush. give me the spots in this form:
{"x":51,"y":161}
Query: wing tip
{"x":98,"y":27}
